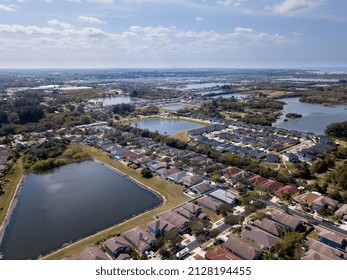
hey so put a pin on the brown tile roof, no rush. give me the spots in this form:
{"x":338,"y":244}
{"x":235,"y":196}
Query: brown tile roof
{"x":232,"y":171}
{"x":140,"y":239}
{"x":285,"y":219}
{"x":191,"y":207}
{"x":242,"y":248}
{"x":115,"y":243}
{"x":257,"y":180}
{"x":272,"y":185}
{"x":325,"y":201}
{"x":332,"y":236}
{"x":177,"y":220}
{"x":220,"y":254}
{"x":270,"y":226}
{"x":287,"y":190}
{"x":128,"y":154}
{"x":160,"y":225}
{"x":312,"y":255}
{"x":209,"y":203}
{"x":307,"y":197}
{"x":341,"y":211}
{"x":92,"y":253}
{"x":326,"y":250}
{"x":258,"y":236}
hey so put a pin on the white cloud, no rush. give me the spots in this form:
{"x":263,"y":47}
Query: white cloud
{"x":90,"y":19}
{"x":61,"y":24}
{"x":47,"y":1}
{"x":198,"y":18}
{"x":8,"y":8}
{"x":294,"y":7}
{"x":230,"y":3}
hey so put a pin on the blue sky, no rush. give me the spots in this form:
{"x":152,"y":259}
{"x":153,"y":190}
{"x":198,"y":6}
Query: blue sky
{"x":172,"y":33}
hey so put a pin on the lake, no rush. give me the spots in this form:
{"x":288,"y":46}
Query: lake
{"x":175,"y":107}
{"x":168,"y":127}
{"x":69,"y":203}
{"x":315,"y":117}
{"x":116,"y":100}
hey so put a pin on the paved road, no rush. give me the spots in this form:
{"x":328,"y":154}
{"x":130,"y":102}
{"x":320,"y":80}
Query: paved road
{"x":306,"y":217}
{"x":193,"y":245}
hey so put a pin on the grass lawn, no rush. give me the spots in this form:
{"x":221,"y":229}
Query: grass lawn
{"x":212,"y":215}
{"x":10,"y":184}
{"x":314,"y":234}
{"x":183,"y":136}
{"x":172,"y":193}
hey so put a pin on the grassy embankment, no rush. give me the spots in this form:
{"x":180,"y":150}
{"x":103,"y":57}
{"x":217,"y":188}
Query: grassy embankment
{"x":173,"y":195}
{"x":10,"y":184}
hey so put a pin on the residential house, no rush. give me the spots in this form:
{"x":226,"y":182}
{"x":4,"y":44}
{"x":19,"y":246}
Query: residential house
{"x":177,"y":177}
{"x":117,"y":246}
{"x":164,"y":173}
{"x":272,"y":186}
{"x":257,"y":154}
{"x":259,"y":237}
{"x":257,"y":180}
{"x":232,"y":172}
{"x":270,"y":227}
{"x":92,"y":253}
{"x":288,"y":221}
{"x":220,"y":254}
{"x":272,"y":158}
{"x":290,"y":157}
{"x":332,"y":239}
{"x":202,"y":188}
{"x":224,"y":196}
{"x":160,"y":227}
{"x":142,"y":161}
{"x":307,"y":198}
{"x":242,"y":248}
{"x":191,"y":180}
{"x":342,"y":212}
{"x":325,"y":251}
{"x":156,"y":166}
{"x":324,"y":202}
{"x":180,"y":222}
{"x":140,"y":239}
{"x":189,"y":211}
{"x":209,"y":203}
{"x":286,"y":190}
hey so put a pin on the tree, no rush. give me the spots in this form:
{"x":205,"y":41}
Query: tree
{"x":225,"y":209}
{"x":146,"y":173}
{"x":289,"y":247}
{"x":233,"y":219}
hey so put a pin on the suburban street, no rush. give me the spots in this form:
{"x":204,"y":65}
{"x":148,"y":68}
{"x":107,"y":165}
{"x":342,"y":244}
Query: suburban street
{"x":306,"y":217}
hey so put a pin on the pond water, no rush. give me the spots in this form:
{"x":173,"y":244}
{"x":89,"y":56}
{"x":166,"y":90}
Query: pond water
{"x":175,"y":107}
{"x":116,"y":100}
{"x":168,"y":127}
{"x":315,"y":116}
{"x":69,"y":203}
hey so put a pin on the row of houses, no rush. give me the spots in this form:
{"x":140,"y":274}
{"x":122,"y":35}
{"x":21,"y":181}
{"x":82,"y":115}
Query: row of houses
{"x":4,"y":156}
{"x":257,"y":181}
{"x":119,"y":247}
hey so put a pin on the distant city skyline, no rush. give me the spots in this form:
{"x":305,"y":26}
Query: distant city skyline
{"x":173,"y":34}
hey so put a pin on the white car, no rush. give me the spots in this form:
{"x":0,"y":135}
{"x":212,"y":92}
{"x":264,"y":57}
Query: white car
{"x":148,"y":255}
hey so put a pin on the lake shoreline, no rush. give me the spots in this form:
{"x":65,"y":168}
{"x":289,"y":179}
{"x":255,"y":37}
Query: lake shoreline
{"x":8,"y":217}
{"x":11,"y":207}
